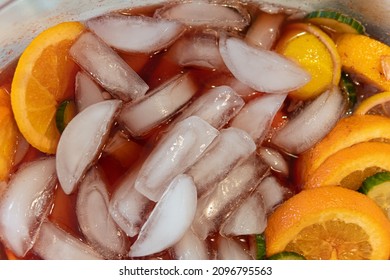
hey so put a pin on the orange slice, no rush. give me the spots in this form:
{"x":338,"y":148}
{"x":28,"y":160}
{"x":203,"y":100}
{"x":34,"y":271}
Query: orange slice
{"x":329,"y":223}
{"x":44,"y":77}
{"x":377,"y":104}
{"x":349,"y":167}
{"x":347,"y":132}
{"x":363,"y":56}
{"x":316,"y":52}
{"x":8,"y":135}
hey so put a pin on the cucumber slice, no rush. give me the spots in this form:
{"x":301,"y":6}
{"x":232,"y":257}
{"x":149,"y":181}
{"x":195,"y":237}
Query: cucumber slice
{"x":65,"y":113}
{"x":349,"y":89}
{"x":260,"y":244}
{"x":285,"y":255}
{"x":377,"y":187}
{"x":336,"y":21}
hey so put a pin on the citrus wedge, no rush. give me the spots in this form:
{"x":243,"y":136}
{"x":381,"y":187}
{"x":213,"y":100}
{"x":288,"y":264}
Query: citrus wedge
{"x":347,"y":132}
{"x":349,"y":167}
{"x":329,"y":223}
{"x":316,"y":52}
{"x":362,"y":55}
{"x":44,"y":77}
{"x":8,"y":135}
{"x":377,"y":104}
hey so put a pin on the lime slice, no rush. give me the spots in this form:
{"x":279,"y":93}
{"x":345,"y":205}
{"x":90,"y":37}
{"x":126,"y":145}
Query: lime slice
{"x":377,"y":187}
{"x":336,"y":21}
{"x":65,"y":113}
{"x":287,"y":256}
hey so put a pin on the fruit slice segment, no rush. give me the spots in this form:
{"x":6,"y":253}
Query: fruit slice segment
{"x":8,"y":135}
{"x":351,"y":166}
{"x":363,"y":56}
{"x":43,"y":78}
{"x":378,"y":104}
{"x":349,"y":131}
{"x":329,"y":223}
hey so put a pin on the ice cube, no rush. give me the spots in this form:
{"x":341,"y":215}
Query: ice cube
{"x":229,"y":148}
{"x":82,"y":141}
{"x":190,"y":247}
{"x":97,"y":225}
{"x":273,"y":193}
{"x":174,"y":154}
{"x":274,"y":159}
{"x":257,"y":115}
{"x":128,"y":207}
{"x":249,"y":218}
{"x":136,"y":34}
{"x":230,"y":249}
{"x":158,"y":105}
{"x":107,"y":68}
{"x":214,"y":208}
{"x":53,"y":243}
{"x":262,"y":70}
{"x":25,"y":203}
{"x":203,"y":13}
{"x":216,"y":106}
{"x":197,"y":50}
{"x":169,"y":220}
{"x":87,"y":92}
{"x":265,"y":29}
{"x":312,"y":123}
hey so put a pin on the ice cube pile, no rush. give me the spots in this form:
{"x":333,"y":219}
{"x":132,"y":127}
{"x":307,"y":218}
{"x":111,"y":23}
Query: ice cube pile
{"x":206,"y":181}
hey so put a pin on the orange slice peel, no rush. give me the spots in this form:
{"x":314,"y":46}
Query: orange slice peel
{"x":349,"y":167}
{"x":44,"y":77}
{"x":348,"y":131}
{"x":329,"y":223}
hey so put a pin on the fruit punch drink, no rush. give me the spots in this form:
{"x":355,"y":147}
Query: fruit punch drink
{"x":197,"y":130}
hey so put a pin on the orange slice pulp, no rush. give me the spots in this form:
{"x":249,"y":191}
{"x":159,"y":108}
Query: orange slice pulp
{"x":329,"y":223}
{"x":44,"y":77}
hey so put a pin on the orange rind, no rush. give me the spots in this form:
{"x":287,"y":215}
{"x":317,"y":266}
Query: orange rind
{"x":44,"y":77}
{"x":329,"y":223}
